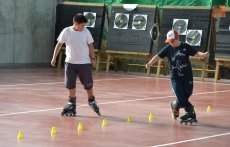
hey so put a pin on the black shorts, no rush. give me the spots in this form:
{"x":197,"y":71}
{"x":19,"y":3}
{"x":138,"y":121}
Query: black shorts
{"x":83,"y":71}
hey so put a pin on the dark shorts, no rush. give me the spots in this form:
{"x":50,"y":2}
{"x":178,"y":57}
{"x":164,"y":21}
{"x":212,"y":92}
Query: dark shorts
{"x":83,"y":71}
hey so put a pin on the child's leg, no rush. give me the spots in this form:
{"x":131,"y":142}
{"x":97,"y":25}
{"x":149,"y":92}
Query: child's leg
{"x":175,"y":110}
{"x":70,"y":83}
{"x":180,"y":91}
{"x":70,"y":79}
{"x":85,"y":76}
{"x":90,"y":93}
{"x":92,"y":102}
{"x":189,"y":108}
{"x":190,"y":114}
{"x":72,"y":92}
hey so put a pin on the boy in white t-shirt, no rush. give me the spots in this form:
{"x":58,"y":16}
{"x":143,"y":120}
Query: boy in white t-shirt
{"x":80,"y":58}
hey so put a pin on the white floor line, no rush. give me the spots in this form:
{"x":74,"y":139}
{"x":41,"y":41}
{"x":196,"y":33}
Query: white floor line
{"x":26,"y":112}
{"x":190,"y":140}
{"x":114,"y":102}
{"x":50,"y":83}
{"x":15,"y":85}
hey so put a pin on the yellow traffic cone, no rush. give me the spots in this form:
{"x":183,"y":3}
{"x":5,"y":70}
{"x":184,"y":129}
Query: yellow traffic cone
{"x":129,"y":120}
{"x":53,"y":131}
{"x":209,"y":108}
{"x":151,"y":117}
{"x":104,"y":123}
{"x":194,"y":109}
{"x":20,"y":135}
{"x":80,"y":127}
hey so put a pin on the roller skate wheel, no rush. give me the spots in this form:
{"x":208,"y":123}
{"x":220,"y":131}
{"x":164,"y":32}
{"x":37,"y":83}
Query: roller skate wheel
{"x":173,"y":117}
{"x":98,"y":113}
{"x":191,"y":123}
{"x":184,"y":122}
{"x":195,"y":122}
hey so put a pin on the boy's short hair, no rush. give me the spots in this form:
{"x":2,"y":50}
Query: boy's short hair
{"x":79,"y":18}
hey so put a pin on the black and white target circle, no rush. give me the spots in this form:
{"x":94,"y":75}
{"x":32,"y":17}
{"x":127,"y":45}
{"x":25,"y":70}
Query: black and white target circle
{"x":139,"y":22}
{"x":121,"y":21}
{"x":91,"y":18}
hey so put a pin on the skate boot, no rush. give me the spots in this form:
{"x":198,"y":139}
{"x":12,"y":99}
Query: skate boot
{"x":175,"y":110}
{"x":93,"y":104}
{"x":189,"y":118}
{"x":70,"y":108}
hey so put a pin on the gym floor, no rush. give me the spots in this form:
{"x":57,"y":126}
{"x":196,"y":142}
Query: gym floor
{"x":33,"y":98}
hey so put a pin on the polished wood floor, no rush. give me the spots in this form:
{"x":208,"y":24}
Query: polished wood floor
{"x":31,"y":100}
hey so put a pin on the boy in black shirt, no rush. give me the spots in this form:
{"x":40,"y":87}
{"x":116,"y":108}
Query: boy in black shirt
{"x":180,"y":68}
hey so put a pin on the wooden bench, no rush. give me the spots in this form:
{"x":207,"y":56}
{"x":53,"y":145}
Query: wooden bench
{"x":135,"y":55}
{"x":203,"y":63}
{"x":220,"y":62}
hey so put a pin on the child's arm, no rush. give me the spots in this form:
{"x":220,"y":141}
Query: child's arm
{"x":92,"y":54}
{"x":56,"y":51}
{"x":201,"y":55}
{"x":152,"y":61}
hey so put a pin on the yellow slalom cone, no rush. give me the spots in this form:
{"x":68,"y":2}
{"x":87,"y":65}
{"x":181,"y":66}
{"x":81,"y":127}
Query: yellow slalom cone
{"x":209,"y":108}
{"x":104,"y":123}
{"x":53,"y":131}
{"x":194,"y":109}
{"x":151,"y":117}
{"x":80,"y":127}
{"x":129,"y":120}
{"x":20,"y":135}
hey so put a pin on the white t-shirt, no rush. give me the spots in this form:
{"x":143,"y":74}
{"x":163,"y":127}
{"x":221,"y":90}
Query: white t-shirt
{"x":77,"y":50}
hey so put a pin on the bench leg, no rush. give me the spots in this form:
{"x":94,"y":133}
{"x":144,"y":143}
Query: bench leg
{"x":203,"y":72}
{"x":98,"y":62}
{"x":148,"y":72}
{"x":158,"y":68}
{"x":217,"y":71}
{"x":108,"y":63}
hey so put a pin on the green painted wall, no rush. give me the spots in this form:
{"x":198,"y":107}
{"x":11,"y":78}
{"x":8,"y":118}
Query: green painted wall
{"x":162,"y":2}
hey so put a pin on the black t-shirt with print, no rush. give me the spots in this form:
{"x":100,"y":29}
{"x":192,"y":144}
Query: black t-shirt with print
{"x":178,"y":58}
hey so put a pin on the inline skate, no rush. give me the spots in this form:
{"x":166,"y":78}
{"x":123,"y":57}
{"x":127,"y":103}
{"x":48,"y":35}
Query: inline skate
{"x":189,"y":118}
{"x":93,"y":104}
{"x":70,"y":108}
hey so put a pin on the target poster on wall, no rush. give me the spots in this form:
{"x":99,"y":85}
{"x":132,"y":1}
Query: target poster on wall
{"x":91,"y":19}
{"x":121,"y":21}
{"x":193,"y":37}
{"x":139,"y":22}
{"x":180,"y":25}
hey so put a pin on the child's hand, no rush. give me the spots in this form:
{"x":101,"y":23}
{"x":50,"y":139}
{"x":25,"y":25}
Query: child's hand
{"x":147,"y":66}
{"x":53,"y":62}
{"x":93,"y":62}
{"x":206,"y":54}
